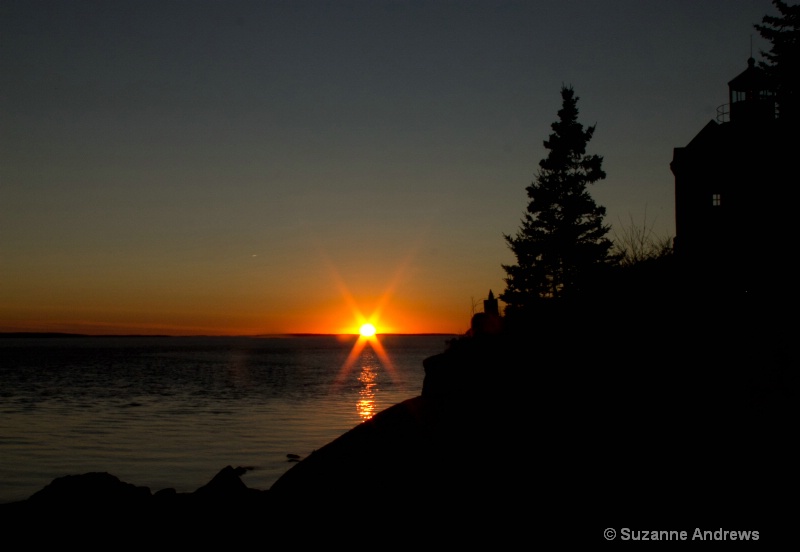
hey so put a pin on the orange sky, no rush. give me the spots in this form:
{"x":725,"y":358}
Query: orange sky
{"x":317,"y":299}
{"x":334,"y":317}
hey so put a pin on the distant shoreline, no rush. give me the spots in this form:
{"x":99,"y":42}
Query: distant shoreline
{"x":8,"y":335}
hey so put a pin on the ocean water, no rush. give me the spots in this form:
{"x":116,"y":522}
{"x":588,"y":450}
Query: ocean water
{"x":170,"y":412}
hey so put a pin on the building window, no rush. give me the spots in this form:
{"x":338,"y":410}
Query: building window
{"x":716,"y":200}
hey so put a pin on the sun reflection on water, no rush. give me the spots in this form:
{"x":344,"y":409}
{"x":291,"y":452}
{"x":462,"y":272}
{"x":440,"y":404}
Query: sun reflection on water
{"x":366,"y":395}
{"x":370,"y":357}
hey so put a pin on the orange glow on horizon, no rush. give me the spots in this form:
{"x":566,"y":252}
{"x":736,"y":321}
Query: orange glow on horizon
{"x":330,"y":316}
{"x":323,"y":325}
{"x":318,"y":303}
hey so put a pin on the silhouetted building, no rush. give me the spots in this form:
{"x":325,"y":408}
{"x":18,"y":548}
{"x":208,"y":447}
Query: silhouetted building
{"x":734,"y":192}
{"x":490,"y":305}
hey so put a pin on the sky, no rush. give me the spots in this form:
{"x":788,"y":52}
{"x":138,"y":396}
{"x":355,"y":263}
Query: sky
{"x":260,"y":167}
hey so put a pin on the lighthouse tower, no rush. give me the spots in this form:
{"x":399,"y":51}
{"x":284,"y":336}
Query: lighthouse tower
{"x":490,"y":305}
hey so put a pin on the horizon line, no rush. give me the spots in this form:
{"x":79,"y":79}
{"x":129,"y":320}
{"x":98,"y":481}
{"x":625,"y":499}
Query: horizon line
{"x":287,"y":334}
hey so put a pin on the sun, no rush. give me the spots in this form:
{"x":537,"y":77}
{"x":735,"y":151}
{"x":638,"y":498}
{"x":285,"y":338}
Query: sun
{"x":367,"y":330}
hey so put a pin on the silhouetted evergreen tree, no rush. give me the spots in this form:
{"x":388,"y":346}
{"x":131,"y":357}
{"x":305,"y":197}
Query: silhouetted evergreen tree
{"x":562,"y":239}
{"x":783,"y":59}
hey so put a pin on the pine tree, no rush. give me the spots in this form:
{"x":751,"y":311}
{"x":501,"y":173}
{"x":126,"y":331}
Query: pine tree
{"x":783,"y":59}
{"x":562,"y":238}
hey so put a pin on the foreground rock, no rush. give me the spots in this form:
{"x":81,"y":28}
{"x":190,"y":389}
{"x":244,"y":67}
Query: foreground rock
{"x":681,"y":428}
{"x":100,"y":500}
